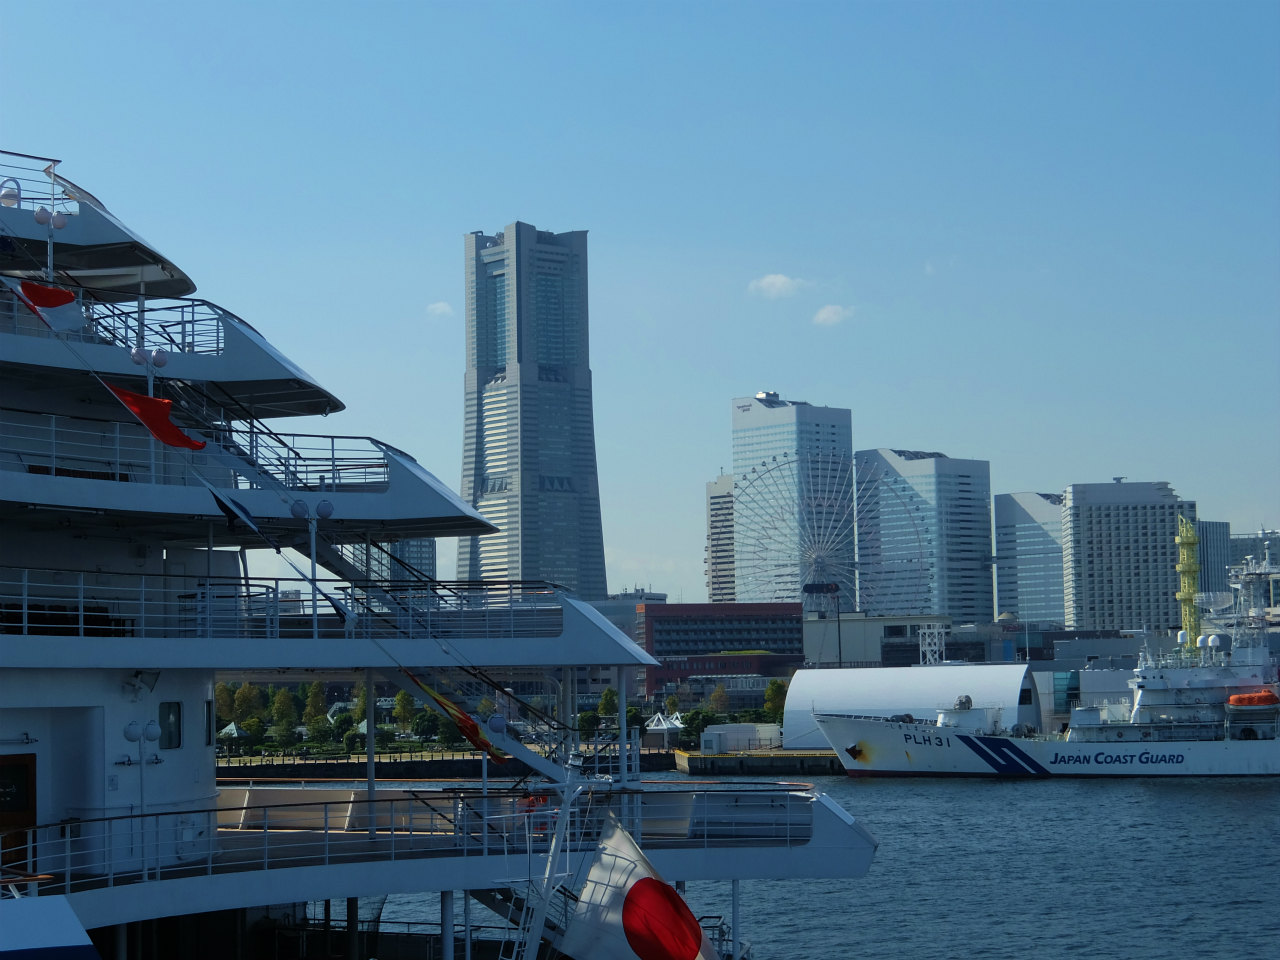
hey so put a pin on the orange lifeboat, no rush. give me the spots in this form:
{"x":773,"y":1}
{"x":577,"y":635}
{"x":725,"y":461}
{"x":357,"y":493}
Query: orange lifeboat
{"x":1264,"y":698}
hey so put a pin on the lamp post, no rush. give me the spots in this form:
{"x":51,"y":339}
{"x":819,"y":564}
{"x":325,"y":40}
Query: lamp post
{"x":323,"y":511}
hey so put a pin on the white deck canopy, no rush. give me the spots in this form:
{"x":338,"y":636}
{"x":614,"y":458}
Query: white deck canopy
{"x":919,"y":691}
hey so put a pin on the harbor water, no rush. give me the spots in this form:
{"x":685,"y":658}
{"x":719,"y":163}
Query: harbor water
{"x":1132,"y":869}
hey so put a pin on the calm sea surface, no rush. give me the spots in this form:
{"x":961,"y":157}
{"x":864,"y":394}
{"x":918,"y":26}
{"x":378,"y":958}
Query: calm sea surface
{"x":1033,"y":870}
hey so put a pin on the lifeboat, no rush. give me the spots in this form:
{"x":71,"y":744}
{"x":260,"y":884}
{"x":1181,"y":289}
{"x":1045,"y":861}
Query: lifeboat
{"x":1265,"y":698}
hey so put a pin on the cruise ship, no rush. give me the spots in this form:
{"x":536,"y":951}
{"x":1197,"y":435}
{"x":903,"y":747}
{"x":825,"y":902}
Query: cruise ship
{"x":146,"y":484}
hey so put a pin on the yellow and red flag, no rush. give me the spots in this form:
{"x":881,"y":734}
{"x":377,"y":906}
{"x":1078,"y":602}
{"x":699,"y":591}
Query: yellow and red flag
{"x":466,"y":725}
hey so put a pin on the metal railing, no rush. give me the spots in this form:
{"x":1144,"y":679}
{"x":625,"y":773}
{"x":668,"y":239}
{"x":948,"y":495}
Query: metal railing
{"x":94,"y":852}
{"x":69,"y":603}
{"x":125,"y":452}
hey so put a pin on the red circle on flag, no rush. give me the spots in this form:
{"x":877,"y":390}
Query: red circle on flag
{"x":658,"y":924}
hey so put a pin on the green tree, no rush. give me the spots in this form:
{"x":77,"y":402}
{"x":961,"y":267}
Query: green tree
{"x":353,"y":741}
{"x":320,"y":730}
{"x":316,"y":706}
{"x":486,"y":708}
{"x":362,"y":700}
{"x":635,"y":719}
{"x":341,"y":724}
{"x":284,"y":712}
{"x":719,"y":699}
{"x":775,"y":699}
{"x":255,"y":728}
{"x":608,"y":703}
{"x":405,"y":709}
{"x":695,"y":721}
{"x":673,"y":704}
{"x":224,"y":699}
{"x":426,"y":725}
{"x":588,"y":724}
{"x":248,"y":702}
{"x":449,"y":736}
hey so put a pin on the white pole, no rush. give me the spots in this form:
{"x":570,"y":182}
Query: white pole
{"x":315,"y":609}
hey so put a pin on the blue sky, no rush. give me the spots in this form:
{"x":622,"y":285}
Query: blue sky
{"x":1045,"y":235}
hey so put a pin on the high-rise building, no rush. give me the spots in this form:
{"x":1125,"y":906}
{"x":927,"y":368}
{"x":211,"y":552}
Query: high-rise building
{"x":792,"y":501}
{"x":924,"y":535}
{"x":719,"y":559}
{"x":528,"y":453}
{"x":1029,"y":556}
{"x":1119,"y":555}
{"x":418,"y":553}
{"x":1214,"y":555}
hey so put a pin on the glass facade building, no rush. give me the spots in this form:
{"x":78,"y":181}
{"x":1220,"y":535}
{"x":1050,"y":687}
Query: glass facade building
{"x":792,"y":501}
{"x":1029,"y":556}
{"x":1214,"y":555}
{"x":924,"y":535}
{"x":529,"y":457}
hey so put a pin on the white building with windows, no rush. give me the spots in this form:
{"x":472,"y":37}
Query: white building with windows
{"x":529,"y":454}
{"x":1119,"y":555}
{"x":792,"y":500}
{"x":1029,"y":556}
{"x":924,"y":535}
{"x":719,"y":559}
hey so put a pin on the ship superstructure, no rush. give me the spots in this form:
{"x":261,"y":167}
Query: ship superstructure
{"x":141,"y":468}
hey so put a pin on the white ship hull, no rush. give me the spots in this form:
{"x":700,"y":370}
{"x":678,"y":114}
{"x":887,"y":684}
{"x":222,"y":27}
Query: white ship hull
{"x":871,"y":747}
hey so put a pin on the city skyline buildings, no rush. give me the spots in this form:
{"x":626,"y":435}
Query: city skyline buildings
{"x":1028,"y":541}
{"x":529,"y":458}
{"x":1015,"y":243}
{"x":1119,"y":555}
{"x":924,"y":535}
{"x":793,"y":523}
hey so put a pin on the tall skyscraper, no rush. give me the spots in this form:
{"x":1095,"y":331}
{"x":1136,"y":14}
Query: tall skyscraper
{"x":1119,"y":555}
{"x":924,"y":535}
{"x":719,"y":561}
{"x":1029,"y":556}
{"x":528,"y":452}
{"x":792,"y":501}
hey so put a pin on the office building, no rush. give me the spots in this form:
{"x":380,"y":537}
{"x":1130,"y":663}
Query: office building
{"x":719,"y":559}
{"x":1119,"y":555}
{"x":529,"y":458}
{"x":792,"y":501}
{"x":924,"y":535}
{"x":1214,"y":556}
{"x":1029,"y":556}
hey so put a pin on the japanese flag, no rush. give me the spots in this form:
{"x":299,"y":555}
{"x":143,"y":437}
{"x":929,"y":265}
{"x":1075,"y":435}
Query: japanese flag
{"x":626,"y":912}
{"x":54,"y":305}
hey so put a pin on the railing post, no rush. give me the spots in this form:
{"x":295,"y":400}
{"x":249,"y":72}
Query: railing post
{"x":326,"y":833}
{"x":266,"y":813}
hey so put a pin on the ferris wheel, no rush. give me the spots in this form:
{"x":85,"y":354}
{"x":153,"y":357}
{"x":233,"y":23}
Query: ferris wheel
{"x":794,"y":527}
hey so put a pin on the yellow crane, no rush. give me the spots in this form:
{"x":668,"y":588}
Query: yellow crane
{"x":1188,"y":578}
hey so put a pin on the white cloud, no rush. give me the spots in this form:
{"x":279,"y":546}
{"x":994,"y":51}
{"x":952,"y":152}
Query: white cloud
{"x":832,"y":314}
{"x":775,"y":285}
{"x":439,"y":309}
